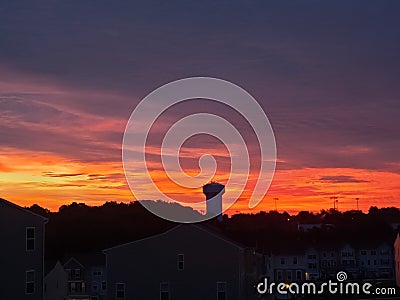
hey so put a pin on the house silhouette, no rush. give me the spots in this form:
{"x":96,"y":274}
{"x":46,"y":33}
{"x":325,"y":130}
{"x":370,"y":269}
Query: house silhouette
{"x":186,"y":262}
{"x":21,"y":252}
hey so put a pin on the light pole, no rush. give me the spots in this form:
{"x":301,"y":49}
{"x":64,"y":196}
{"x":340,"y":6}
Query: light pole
{"x":335,"y":202}
{"x":276,"y":206}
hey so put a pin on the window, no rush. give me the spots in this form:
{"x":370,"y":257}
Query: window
{"x":348,"y":262}
{"x":289,"y":275}
{"x":77,"y":287}
{"x":373,"y":252}
{"x":282,"y":261}
{"x":73,"y":274}
{"x":363,"y":252}
{"x":295,"y":260}
{"x":279,"y":275}
{"x":103,"y":285}
{"x":30,"y":282}
{"x":384,"y":262}
{"x":120,"y":291}
{"x":181,"y":262}
{"x":298,"y":275}
{"x":312,"y":256}
{"x":72,"y":287}
{"x":221,"y":291}
{"x":77,"y":274}
{"x":94,"y":286}
{"x":30,"y":238}
{"x":97,"y":273}
{"x":164,"y":291}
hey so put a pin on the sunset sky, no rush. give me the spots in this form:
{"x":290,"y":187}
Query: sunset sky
{"x":325,"y":72}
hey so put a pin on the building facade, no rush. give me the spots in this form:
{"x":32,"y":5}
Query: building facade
{"x":287,"y":267}
{"x":376,"y":262}
{"x":361,"y":262}
{"x":21,"y":253}
{"x":186,"y":262}
{"x":75,"y":280}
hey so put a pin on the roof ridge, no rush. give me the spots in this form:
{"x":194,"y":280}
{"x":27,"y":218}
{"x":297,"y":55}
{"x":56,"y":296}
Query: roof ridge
{"x":22,"y":209}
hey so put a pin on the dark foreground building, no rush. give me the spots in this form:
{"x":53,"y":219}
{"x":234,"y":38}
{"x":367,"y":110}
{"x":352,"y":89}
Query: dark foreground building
{"x":21,"y":253}
{"x":186,"y":262}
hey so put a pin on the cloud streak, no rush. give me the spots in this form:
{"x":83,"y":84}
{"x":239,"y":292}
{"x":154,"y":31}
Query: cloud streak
{"x":341,"y":179}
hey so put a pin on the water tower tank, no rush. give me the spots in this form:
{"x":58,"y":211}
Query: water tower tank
{"x":214,"y":192}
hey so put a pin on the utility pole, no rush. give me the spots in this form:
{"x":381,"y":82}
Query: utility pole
{"x":357,"y":203}
{"x":276,"y":206}
{"x":335,"y":202}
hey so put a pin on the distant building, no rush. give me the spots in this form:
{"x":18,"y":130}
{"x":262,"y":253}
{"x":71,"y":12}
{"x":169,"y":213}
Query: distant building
{"x":367,"y":261}
{"x":75,"y":280}
{"x":21,"y":252}
{"x":312,"y":264}
{"x":287,"y":267}
{"x":397,"y":258}
{"x":186,"y":262}
{"x":55,"y":283}
{"x":298,"y":265}
{"x":396,"y":227}
{"x":97,"y":282}
{"x":329,"y":263}
{"x":376,"y":262}
{"x":348,"y":260}
{"x":309,"y":227}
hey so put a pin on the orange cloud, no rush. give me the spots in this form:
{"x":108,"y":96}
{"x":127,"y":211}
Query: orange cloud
{"x":29,"y":177}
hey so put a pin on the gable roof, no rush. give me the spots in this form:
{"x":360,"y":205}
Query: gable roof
{"x":198,"y":227}
{"x":86,"y":259}
{"x":72,"y":260}
{"x":19,"y":208}
{"x":51,"y":267}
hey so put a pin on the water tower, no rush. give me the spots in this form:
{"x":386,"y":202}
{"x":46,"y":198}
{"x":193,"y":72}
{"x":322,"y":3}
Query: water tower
{"x":214,"y":192}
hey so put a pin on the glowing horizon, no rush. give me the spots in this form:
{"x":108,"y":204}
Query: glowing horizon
{"x":26,"y":180}
{"x":64,"y":173}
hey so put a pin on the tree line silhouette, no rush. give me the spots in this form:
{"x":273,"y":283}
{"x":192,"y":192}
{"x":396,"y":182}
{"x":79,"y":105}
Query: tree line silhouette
{"x":79,"y":228}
